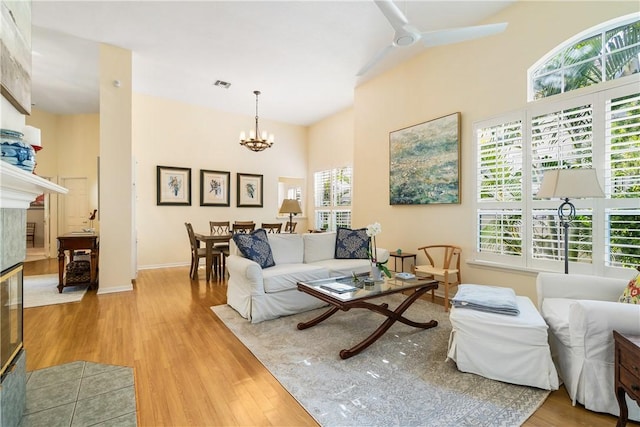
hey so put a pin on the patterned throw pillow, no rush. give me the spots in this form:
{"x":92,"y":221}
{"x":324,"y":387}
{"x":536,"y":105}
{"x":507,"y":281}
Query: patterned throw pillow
{"x":352,"y":244}
{"x":255,"y":246}
{"x":631,"y":294}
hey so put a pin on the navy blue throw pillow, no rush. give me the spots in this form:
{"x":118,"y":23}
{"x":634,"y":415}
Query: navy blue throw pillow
{"x":352,"y":244}
{"x":255,"y":246}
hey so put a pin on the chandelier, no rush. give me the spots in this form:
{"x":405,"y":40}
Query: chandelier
{"x":256,"y":141}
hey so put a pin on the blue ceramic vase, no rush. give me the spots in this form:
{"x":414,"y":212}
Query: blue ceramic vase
{"x":17,"y":152}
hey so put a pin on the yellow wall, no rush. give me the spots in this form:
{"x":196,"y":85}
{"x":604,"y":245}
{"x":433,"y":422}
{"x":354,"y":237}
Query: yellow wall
{"x":70,"y":147}
{"x":117,"y":238}
{"x":480,"y":79}
{"x":330,"y":146}
{"x":169,"y":133}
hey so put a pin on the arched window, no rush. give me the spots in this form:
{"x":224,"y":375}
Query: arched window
{"x":595,"y":128}
{"x":607,"y":52}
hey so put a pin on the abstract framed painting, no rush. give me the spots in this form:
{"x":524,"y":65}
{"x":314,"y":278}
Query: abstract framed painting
{"x":249,"y":190}
{"x":424,"y":163}
{"x":174,"y":186}
{"x":214,"y":188}
{"x":15,"y":45}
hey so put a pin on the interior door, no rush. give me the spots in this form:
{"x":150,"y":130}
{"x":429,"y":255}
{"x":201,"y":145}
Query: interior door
{"x":75,"y":205}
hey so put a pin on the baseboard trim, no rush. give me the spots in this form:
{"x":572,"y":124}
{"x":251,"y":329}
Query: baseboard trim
{"x":156,"y":266}
{"x":111,"y":290}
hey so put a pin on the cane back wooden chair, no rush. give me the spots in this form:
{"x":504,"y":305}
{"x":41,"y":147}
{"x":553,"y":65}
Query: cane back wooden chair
{"x":444,"y":266}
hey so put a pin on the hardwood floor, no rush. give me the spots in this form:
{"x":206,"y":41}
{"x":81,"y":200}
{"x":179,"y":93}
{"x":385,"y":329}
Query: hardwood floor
{"x":189,"y":369}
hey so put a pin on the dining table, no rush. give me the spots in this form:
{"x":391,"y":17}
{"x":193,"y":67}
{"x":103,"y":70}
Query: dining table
{"x":209,"y":241}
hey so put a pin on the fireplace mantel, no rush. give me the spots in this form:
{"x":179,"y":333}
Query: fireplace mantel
{"x":19,"y":188}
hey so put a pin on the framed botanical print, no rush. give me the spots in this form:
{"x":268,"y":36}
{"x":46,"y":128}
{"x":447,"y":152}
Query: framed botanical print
{"x":249,"y":190}
{"x":214,"y":188}
{"x":424,"y":163}
{"x":173,"y":186}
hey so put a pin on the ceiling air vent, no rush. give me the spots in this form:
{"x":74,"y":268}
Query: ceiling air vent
{"x":224,"y":85}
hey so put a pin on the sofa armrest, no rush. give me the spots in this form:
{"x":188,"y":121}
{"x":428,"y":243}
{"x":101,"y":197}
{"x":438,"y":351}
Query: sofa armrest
{"x":578,"y":286}
{"x":591,"y":325}
{"x":246,"y":273}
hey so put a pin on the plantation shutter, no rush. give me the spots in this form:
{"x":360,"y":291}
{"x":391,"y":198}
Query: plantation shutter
{"x":561,"y":138}
{"x":499,"y":182}
{"x":622,"y":136}
{"x":322,"y":188}
{"x":333,"y":198}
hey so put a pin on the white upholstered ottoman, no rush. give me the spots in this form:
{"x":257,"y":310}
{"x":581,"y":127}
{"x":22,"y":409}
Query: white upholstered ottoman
{"x":512,"y":349}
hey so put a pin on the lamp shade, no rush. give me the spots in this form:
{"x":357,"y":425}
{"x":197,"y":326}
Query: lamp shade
{"x":290,"y":206}
{"x":570,"y":183}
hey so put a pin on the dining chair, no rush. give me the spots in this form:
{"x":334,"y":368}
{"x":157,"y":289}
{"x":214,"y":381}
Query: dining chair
{"x":221,"y":228}
{"x":290,"y":227}
{"x":197,"y":252}
{"x":31,"y":233}
{"x":243,"y":222}
{"x":444,"y":266}
{"x":272,"y":227}
{"x":242,"y":228}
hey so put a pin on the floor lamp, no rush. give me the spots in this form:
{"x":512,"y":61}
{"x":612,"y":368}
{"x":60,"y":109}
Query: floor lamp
{"x":291,"y":207}
{"x":566,"y":184}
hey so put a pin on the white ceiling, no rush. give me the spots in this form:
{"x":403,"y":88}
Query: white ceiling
{"x":302,"y":55}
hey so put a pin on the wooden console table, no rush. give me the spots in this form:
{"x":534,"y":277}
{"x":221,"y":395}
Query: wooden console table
{"x":627,"y":363}
{"x":74,"y":242}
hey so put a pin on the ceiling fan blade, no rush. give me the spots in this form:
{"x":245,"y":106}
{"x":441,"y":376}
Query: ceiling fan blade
{"x":375,"y":60}
{"x":456,"y":35}
{"x":394,"y":15}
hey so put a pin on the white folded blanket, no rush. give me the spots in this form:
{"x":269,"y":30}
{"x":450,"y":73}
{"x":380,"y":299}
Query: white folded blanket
{"x":491,"y":299}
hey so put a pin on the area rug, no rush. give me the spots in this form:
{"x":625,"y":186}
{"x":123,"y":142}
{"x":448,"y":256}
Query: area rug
{"x":43,"y":290}
{"x":403,"y":379}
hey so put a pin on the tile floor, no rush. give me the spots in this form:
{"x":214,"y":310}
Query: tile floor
{"x":80,"y":394}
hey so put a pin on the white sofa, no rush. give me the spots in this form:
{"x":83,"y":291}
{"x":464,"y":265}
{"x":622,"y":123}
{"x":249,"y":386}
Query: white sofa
{"x":262,"y":294}
{"x":582,"y":312}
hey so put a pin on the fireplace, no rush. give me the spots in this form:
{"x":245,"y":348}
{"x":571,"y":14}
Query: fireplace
{"x":18,"y":189}
{"x":10,"y":316}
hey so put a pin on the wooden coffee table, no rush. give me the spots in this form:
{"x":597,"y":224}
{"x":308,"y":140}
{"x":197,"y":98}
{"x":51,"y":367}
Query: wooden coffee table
{"x":342,"y":293}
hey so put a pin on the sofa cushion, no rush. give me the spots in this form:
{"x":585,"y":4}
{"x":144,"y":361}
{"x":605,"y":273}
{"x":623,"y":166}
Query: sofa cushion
{"x":319,"y":246}
{"x":345,"y":267}
{"x":631,"y":294}
{"x":352,"y":244}
{"x":287,"y":248}
{"x":255,"y":246}
{"x":283,"y":277}
{"x":555,"y":311}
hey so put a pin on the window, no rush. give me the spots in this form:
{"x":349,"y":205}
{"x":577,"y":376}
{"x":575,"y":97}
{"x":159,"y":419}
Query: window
{"x":608,"y":52}
{"x":290,"y":188}
{"x":333,"y":198}
{"x":598,"y":128}
{"x":516,"y":228}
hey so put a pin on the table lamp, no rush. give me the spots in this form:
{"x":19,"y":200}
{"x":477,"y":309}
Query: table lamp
{"x":291,"y":207}
{"x":565,"y":184}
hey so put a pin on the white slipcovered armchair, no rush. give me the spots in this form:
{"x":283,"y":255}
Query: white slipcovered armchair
{"x":582,"y":312}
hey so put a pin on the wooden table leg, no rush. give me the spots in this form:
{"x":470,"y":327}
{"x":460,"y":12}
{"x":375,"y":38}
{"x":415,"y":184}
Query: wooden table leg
{"x":392,"y":317}
{"x":209,"y":258}
{"x":315,"y":321}
{"x":94,"y":269}
{"x":60,"y":270}
{"x":624,"y":411}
